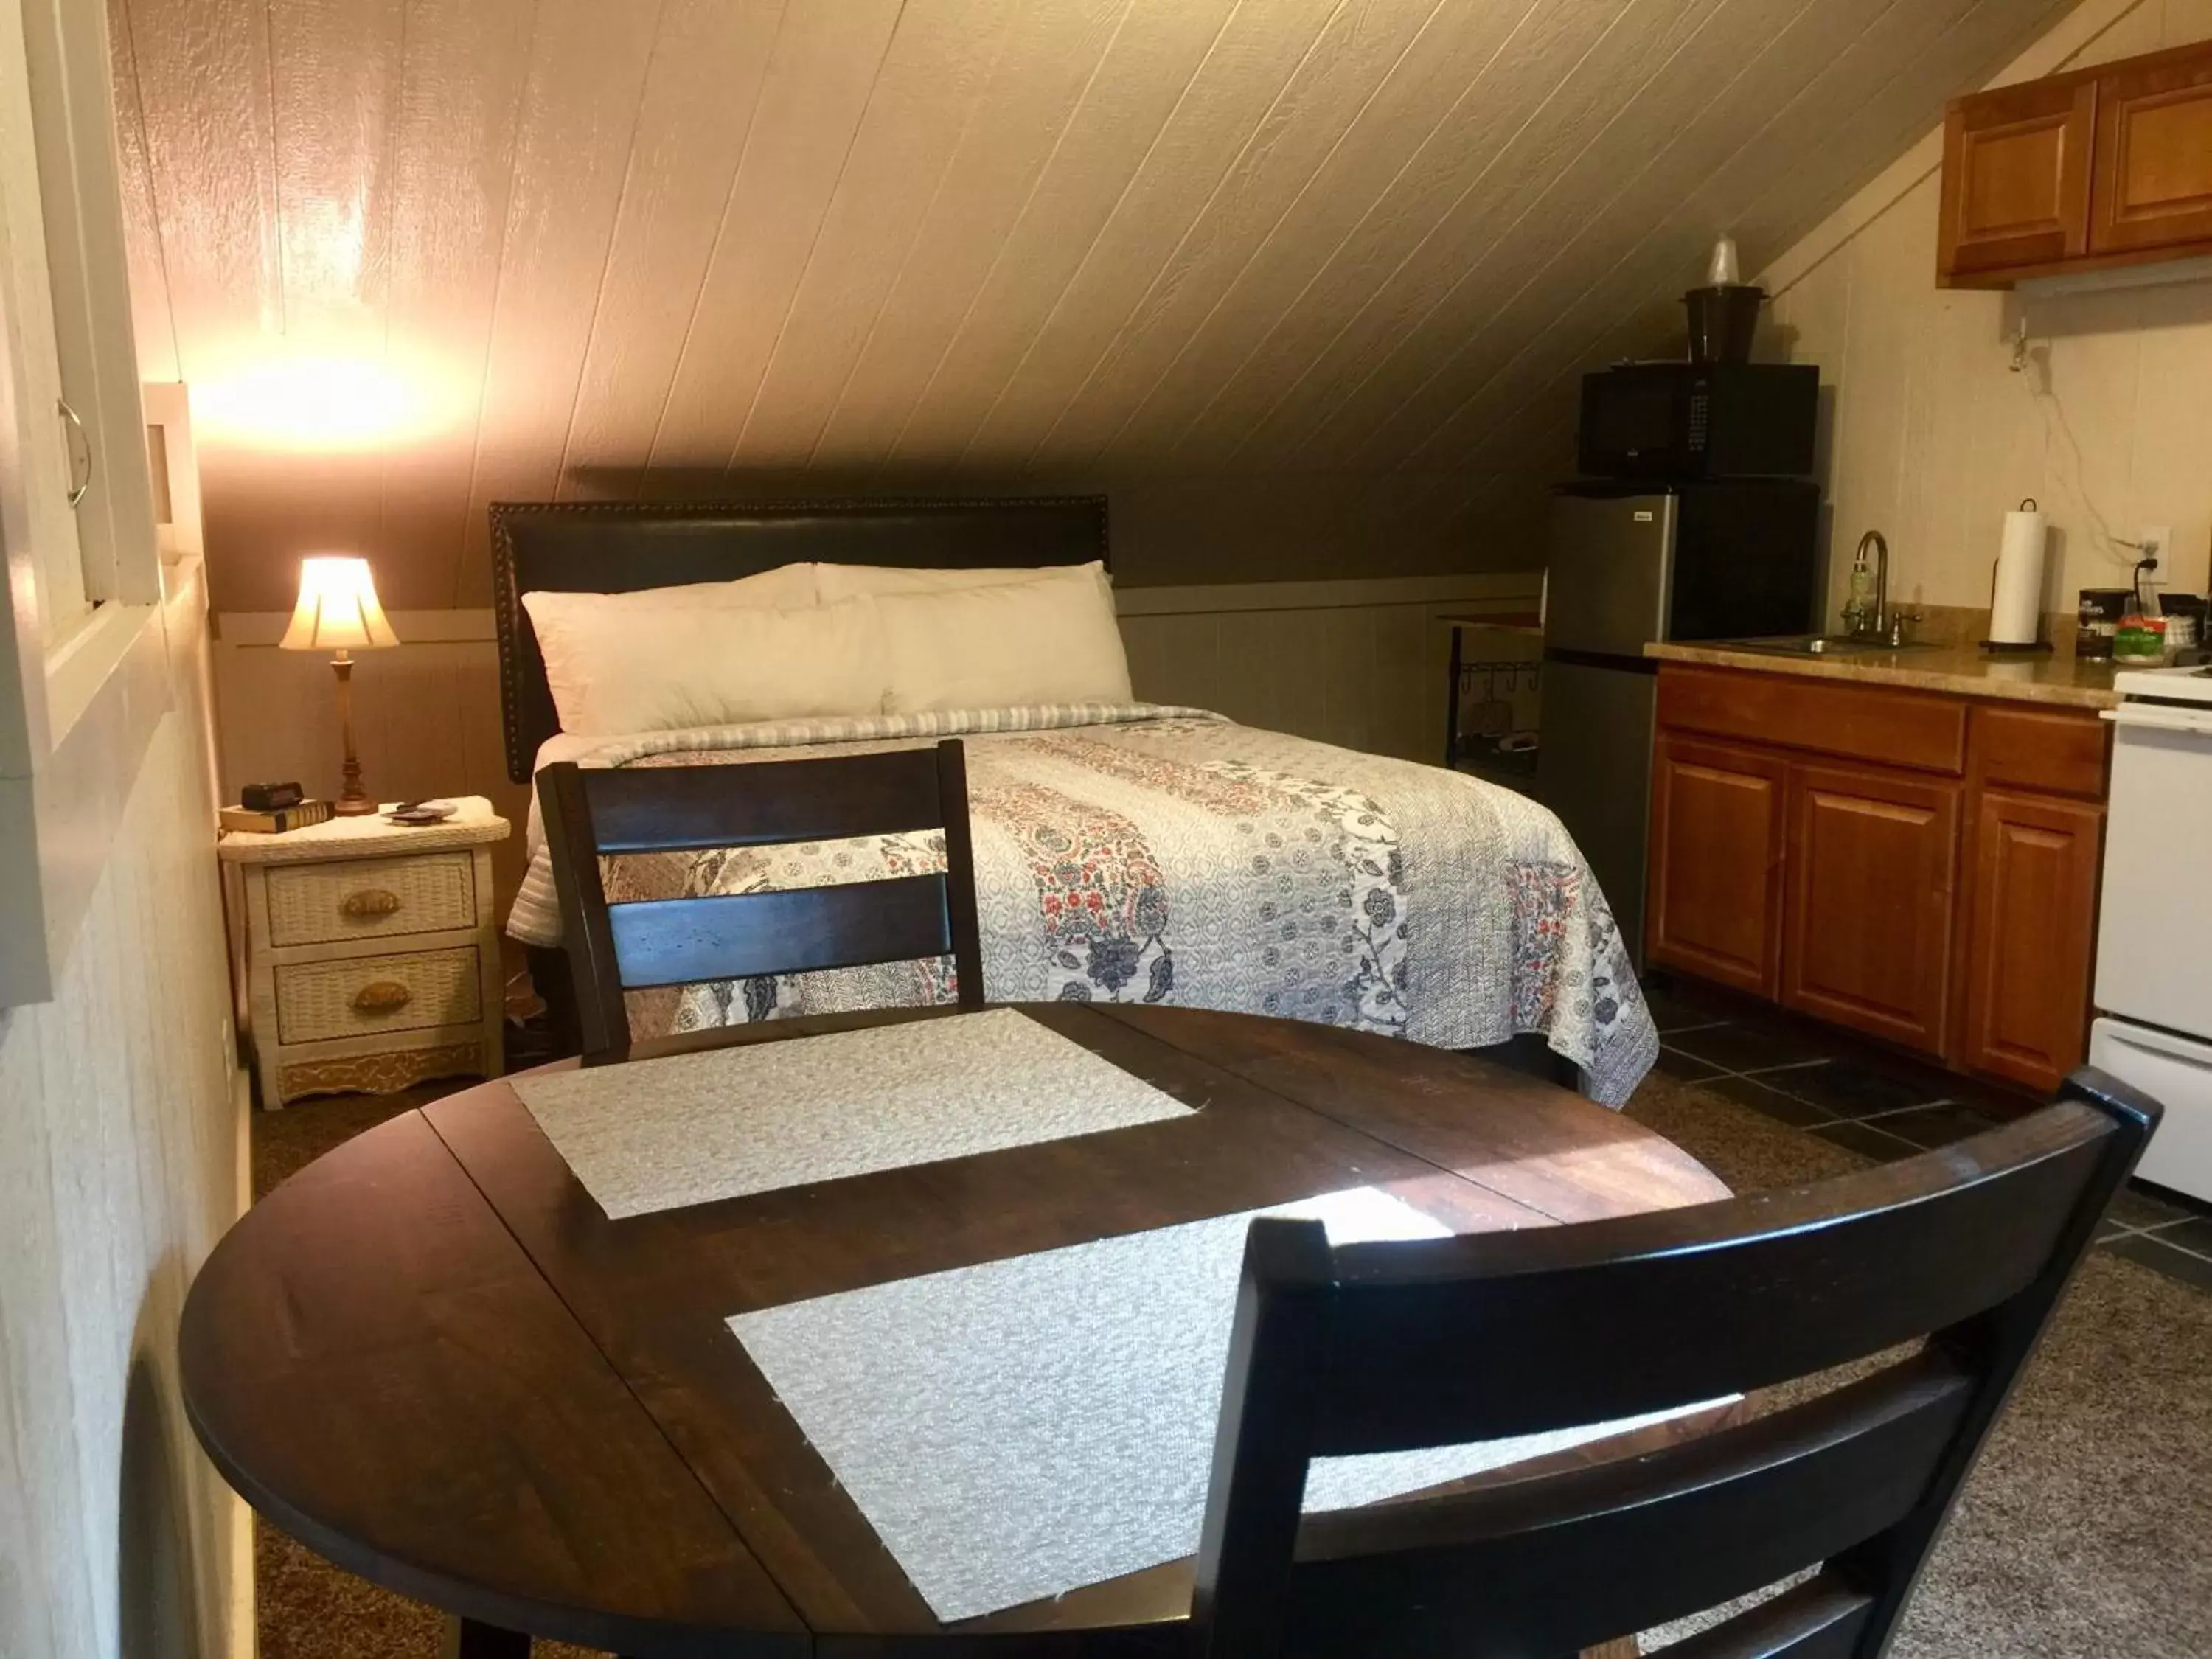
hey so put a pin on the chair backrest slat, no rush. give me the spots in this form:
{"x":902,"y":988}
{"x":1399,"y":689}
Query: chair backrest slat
{"x":1711,"y":1299}
{"x":1823,"y":1617}
{"x":1682,"y":1531}
{"x":1393,"y":1347}
{"x":685,"y":941}
{"x":603,"y":812}
{"x":663,"y":809}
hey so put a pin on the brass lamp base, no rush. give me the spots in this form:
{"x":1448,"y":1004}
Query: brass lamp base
{"x":352,"y":802}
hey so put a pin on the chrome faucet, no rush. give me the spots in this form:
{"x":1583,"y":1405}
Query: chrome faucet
{"x":1859,"y":623}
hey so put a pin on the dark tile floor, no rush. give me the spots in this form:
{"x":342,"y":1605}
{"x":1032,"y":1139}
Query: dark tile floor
{"x":1859,"y":1099}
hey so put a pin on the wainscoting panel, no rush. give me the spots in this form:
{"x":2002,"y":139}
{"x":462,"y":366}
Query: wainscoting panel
{"x":1362,"y":664}
{"x":122,"y":1160}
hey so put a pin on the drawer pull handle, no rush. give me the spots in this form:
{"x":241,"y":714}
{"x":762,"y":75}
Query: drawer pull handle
{"x":369,"y":903}
{"x":382,"y":996}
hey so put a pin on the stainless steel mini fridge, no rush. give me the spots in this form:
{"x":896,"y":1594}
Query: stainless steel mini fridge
{"x":1628,"y":564}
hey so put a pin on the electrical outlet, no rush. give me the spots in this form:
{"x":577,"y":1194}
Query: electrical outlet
{"x":2153,"y":540}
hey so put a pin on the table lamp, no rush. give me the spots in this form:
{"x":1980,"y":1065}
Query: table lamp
{"x":339,"y":612}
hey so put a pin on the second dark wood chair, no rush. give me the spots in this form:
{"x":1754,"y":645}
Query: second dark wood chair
{"x":592,"y":814}
{"x":1391,"y":1346}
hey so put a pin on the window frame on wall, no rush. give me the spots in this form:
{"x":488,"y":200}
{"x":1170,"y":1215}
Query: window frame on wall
{"x":79,"y":466}
{"x":72,"y":116}
{"x":83,"y":664}
{"x":173,"y":469}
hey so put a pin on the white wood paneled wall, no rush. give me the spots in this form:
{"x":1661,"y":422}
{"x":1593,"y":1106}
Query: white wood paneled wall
{"x":1933,"y":437}
{"x":121,"y":1161}
{"x":420,"y":255}
{"x":1357,"y":663}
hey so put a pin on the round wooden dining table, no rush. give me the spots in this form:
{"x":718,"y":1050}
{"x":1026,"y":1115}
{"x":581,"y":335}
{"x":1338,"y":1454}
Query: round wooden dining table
{"x":431,"y":1357}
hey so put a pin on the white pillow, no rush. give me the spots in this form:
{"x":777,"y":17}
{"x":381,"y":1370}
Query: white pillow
{"x":618,"y":669}
{"x":787,"y":587}
{"x":1049,"y":639}
{"x":843,"y":582}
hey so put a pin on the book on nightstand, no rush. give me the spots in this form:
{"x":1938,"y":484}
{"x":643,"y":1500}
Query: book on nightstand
{"x":298,"y":816}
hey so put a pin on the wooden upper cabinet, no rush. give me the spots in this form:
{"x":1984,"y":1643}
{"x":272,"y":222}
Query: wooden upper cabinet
{"x":1714,"y":903}
{"x":2154,"y":155}
{"x":1873,"y":860}
{"x":2016,"y":177}
{"x":2083,"y":172}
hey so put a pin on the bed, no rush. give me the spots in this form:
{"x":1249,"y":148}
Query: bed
{"x":1125,"y":851}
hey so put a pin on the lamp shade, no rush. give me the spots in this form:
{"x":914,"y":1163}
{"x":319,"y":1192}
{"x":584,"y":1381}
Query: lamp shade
{"x":337,"y":609}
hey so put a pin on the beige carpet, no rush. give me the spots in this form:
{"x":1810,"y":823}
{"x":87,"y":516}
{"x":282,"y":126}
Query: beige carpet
{"x":2086,"y":1533}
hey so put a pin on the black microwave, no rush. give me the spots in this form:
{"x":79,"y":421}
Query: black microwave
{"x":1691,"y":420}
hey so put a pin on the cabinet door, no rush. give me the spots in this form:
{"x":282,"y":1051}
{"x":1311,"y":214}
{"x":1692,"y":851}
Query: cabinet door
{"x":1717,"y":823}
{"x":83,"y":492}
{"x":2154,"y":184}
{"x":2016,"y":177}
{"x":1873,"y":860}
{"x":2031,"y":936}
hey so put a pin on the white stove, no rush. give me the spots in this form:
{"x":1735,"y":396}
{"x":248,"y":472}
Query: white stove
{"x":2191,"y":685}
{"x":2152,"y":988}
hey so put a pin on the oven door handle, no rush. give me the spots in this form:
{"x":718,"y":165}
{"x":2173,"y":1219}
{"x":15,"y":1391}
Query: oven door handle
{"x":2160,"y":717}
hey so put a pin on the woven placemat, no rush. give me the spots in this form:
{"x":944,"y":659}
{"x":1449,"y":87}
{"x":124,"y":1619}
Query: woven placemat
{"x":1022,"y":1428}
{"x":692,"y":1128}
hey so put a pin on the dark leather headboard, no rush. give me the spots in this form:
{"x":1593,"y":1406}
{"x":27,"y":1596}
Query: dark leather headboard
{"x":618,"y":547}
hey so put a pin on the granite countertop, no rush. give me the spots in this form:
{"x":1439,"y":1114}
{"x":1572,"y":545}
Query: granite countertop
{"x":1961,"y":669}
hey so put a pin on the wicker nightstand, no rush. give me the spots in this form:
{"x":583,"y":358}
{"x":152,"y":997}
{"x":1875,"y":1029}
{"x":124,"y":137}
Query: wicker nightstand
{"x":371,"y":953}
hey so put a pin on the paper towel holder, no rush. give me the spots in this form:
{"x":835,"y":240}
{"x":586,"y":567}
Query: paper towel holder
{"x":2038,"y":646}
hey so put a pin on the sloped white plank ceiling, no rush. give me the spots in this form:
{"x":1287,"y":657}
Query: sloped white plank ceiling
{"x":1304,"y":283}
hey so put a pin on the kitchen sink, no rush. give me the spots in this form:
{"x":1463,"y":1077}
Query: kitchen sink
{"x":1821,"y":645}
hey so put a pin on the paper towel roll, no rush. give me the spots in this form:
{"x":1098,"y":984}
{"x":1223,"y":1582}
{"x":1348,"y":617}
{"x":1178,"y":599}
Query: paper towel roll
{"x":2016,"y":597}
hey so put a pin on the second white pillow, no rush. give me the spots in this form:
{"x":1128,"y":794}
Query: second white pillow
{"x":787,"y":587}
{"x":845,"y":581}
{"x":1051,"y":638}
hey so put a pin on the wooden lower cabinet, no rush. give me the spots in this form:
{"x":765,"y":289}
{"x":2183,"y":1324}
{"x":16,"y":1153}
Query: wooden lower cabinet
{"x":1717,"y":842}
{"x":1872,"y":861}
{"x":1919,"y":867}
{"x":2030,"y":941}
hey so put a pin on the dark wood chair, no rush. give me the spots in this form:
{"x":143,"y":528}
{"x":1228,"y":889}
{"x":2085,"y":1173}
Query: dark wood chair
{"x":1391,"y":1346}
{"x":595,"y":813}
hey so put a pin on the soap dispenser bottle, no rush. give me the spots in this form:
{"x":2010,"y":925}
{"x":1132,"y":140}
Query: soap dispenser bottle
{"x":1859,"y":605}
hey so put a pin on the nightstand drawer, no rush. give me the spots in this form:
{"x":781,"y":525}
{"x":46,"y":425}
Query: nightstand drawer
{"x":410,"y":991}
{"x":371,"y":898}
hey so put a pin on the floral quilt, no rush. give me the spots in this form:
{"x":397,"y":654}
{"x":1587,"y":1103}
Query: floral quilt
{"x":1143,"y":854}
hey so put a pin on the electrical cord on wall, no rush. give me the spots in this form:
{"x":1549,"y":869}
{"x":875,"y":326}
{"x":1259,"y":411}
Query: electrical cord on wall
{"x":2149,"y":561}
{"x":2052,"y":413}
